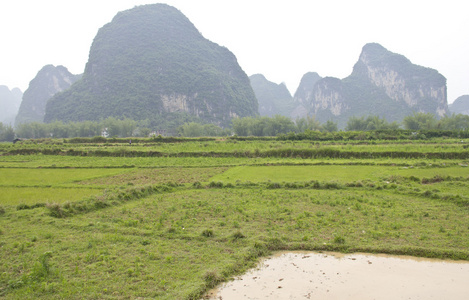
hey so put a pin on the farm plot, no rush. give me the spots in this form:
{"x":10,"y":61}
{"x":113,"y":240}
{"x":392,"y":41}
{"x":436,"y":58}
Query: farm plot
{"x":340,"y":173}
{"x":158,"y":176}
{"x":177,"y":245}
{"x":175,"y":225}
{"x":40,"y":186}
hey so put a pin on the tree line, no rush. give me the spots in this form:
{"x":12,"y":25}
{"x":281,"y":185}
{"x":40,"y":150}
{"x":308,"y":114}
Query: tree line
{"x":248,"y":126}
{"x":265,"y":126}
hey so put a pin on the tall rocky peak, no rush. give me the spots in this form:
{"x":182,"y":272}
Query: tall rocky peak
{"x":303,"y":94}
{"x":274,"y":99}
{"x":460,"y":105}
{"x":9,"y":104}
{"x":382,"y":83}
{"x":49,"y":81}
{"x":305,"y":88}
{"x":150,"y":62}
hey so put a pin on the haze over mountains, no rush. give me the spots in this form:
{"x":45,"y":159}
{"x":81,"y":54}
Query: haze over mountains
{"x":382,"y":83}
{"x":460,"y":105}
{"x":151,"y":63}
{"x":273,"y":99}
{"x":9,"y":104}
{"x":49,"y":81}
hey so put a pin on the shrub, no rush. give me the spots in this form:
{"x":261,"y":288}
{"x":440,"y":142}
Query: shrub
{"x":238,"y":235}
{"x":214,"y":184}
{"x":331,"y":185}
{"x":207,"y":233}
{"x":274,"y":185}
{"x":338,"y":239}
{"x":260,"y":249}
{"x":55,"y":210}
{"x":22,"y":206}
{"x":197,"y":185}
{"x":435,"y":179}
{"x":275,"y":243}
{"x":212,"y":278}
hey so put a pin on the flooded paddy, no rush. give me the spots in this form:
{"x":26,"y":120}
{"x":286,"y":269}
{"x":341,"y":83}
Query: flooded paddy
{"x":311,"y":275}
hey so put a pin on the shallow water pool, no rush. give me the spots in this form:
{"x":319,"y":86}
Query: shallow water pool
{"x":312,"y":275}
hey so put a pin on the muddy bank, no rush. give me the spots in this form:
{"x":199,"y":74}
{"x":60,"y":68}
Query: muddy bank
{"x":309,"y":275}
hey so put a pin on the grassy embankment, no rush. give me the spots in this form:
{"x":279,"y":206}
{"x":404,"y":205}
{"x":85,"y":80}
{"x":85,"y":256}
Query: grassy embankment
{"x":170,"y":226}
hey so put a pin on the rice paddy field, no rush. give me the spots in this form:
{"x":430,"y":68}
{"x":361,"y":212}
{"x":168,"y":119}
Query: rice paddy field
{"x":171,"y":219}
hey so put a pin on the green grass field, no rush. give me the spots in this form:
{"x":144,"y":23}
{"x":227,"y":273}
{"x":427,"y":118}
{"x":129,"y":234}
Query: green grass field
{"x":340,"y":173}
{"x":172,"y":227}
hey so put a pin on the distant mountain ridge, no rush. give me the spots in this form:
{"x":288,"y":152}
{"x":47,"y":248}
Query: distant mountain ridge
{"x":9,"y":104}
{"x":303,"y":94}
{"x":49,"y":81}
{"x":460,"y":105}
{"x":274,"y":99}
{"x":382,"y":83}
{"x":150,"y":62}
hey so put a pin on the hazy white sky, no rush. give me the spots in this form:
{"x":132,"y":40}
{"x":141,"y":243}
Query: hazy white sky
{"x":282,"y":39}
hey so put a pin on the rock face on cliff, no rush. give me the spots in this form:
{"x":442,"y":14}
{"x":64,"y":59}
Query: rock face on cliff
{"x":151,"y":63}
{"x":49,"y":81}
{"x":274,"y":99}
{"x":460,"y":105}
{"x":9,"y":104}
{"x":382,"y":83}
{"x":303,"y":94}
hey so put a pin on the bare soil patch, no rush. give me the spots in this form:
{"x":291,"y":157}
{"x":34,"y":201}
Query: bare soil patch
{"x":307,"y":275}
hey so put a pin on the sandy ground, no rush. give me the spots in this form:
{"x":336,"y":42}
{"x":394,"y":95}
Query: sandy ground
{"x":309,"y":275}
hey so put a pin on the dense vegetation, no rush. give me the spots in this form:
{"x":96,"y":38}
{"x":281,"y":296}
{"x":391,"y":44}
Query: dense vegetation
{"x":7,"y":133}
{"x":151,"y":63}
{"x":451,"y":126}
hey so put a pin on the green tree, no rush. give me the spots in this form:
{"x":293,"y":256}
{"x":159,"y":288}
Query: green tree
{"x":7,"y":133}
{"x":278,"y":125}
{"x":127,"y":127}
{"x":420,"y":121}
{"x":212,"y":130}
{"x":330,"y":126}
{"x":241,"y":126}
{"x":58,"y":129}
{"x":192,"y":129}
{"x":258,"y":126}
{"x":301,"y":124}
{"x":308,"y":123}
{"x":370,"y":123}
{"x":454,"y":122}
{"x":356,"y":124}
{"x":144,"y":132}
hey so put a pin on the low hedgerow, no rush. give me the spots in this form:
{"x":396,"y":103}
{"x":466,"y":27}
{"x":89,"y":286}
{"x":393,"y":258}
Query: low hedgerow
{"x":214,"y":184}
{"x":434,"y":179}
{"x":107,"y":199}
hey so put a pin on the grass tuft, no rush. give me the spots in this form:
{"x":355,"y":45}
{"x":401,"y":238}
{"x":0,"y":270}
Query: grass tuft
{"x":207,"y":233}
